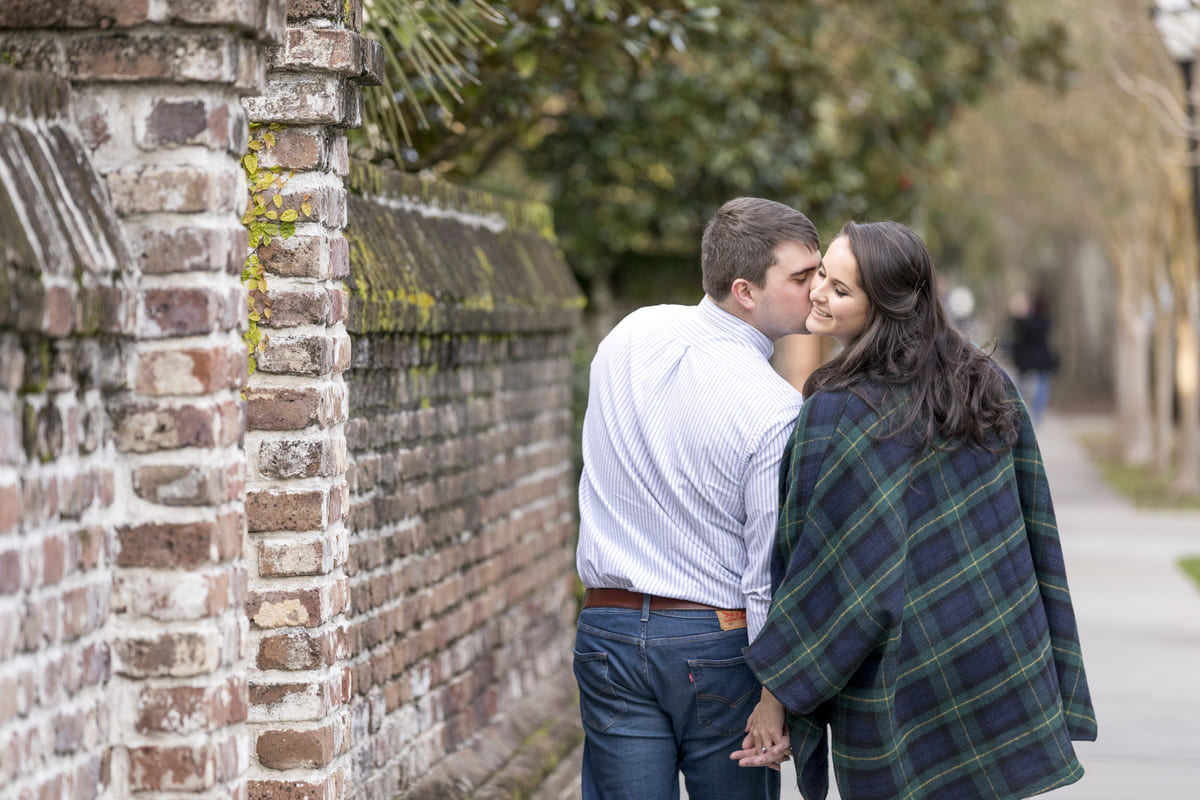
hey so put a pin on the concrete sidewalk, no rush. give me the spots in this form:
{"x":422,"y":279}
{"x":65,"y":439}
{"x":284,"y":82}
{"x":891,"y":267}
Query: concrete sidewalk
{"x":1139,"y":620}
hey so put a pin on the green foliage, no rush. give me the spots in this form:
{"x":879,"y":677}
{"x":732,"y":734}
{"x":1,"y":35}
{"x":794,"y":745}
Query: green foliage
{"x":464,"y":82}
{"x":267,"y":220}
{"x":638,"y":121}
{"x":1191,"y":568}
{"x":427,"y":46}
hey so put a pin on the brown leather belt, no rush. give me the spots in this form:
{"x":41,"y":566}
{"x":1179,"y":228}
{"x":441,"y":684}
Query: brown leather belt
{"x":621,"y":598}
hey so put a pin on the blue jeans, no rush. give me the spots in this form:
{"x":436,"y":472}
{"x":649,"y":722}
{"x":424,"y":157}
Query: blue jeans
{"x":1035,"y":390}
{"x":661,"y":692}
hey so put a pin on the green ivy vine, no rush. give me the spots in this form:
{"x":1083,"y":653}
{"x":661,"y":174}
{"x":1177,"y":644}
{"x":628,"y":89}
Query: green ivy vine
{"x":267,"y":220}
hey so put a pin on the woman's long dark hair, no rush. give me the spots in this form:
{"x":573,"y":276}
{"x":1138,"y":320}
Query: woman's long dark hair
{"x":952,"y":388}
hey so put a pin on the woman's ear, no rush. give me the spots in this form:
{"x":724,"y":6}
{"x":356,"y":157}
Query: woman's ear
{"x":742,"y":291}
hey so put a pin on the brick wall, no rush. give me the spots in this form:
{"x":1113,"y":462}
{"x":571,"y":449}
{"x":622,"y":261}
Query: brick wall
{"x":346,"y":576}
{"x":65,"y":308}
{"x":136,"y":497}
{"x":296,"y":499}
{"x":461,"y":491}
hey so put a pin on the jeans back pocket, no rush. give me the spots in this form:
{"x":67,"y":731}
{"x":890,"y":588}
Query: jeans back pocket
{"x":726,"y":692}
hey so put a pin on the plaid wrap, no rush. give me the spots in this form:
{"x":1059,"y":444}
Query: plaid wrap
{"x":921,"y":611}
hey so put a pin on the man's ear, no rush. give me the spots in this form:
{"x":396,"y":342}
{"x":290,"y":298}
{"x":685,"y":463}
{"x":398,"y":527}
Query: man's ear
{"x":742,"y":292}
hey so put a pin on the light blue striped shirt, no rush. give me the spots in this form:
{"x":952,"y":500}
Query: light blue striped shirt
{"x":685,"y":428}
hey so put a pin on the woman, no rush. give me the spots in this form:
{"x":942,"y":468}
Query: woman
{"x":921,"y":608}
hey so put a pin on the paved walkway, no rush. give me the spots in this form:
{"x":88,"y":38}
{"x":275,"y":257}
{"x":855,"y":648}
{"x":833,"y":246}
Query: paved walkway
{"x":1139,"y":620}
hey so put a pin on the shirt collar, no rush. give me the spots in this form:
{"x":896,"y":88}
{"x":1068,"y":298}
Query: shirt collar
{"x":739,"y":329}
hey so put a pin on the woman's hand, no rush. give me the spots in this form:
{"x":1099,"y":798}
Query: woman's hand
{"x":766,"y":743}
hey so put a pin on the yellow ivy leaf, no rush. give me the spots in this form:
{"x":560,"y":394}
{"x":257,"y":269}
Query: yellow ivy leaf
{"x":306,"y":208}
{"x":272,"y":215}
{"x":269,"y":138}
{"x":277,"y":200}
{"x":289,"y":215}
{"x":255,"y":145}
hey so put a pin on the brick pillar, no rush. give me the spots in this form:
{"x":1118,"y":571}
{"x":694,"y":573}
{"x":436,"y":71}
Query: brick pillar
{"x":156,"y":93}
{"x":296,"y":496}
{"x":161,"y":104}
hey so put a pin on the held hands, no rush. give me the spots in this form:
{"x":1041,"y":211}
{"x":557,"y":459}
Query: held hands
{"x":766,"y":743}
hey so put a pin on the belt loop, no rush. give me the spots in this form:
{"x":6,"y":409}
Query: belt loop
{"x":645,"y":608}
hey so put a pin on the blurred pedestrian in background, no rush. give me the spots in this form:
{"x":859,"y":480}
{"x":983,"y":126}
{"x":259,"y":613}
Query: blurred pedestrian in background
{"x":1032,"y":355}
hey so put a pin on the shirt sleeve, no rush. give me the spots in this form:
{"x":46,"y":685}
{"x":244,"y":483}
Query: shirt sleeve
{"x":762,"y":515}
{"x":840,"y":575}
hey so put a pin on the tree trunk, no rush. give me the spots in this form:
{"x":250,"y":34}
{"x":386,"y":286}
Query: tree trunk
{"x":1185,"y":274}
{"x":1163,"y":364}
{"x":1131,"y":351}
{"x":1187,"y":367}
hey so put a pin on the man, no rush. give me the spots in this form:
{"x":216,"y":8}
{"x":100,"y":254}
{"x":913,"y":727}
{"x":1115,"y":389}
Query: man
{"x":684,"y":431}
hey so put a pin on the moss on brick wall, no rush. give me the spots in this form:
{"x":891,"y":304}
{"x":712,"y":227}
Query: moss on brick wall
{"x":437,"y":258}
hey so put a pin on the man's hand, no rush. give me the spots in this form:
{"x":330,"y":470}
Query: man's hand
{"x":766,"y":742}
{"x":751,"y":756}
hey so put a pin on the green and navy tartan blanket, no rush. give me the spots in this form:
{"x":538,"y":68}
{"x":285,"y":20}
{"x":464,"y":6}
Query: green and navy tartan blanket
{"x":921,"y":612}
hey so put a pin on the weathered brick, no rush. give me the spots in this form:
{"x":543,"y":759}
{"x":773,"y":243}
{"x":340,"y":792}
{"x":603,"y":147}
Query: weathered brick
{"x":190,"y":310}
{"x":59,"y":313}
{"x":42,"y":433}
{"x":92,"y":545}
{"x":275,"y":409}
{"x":39,"y":500}
{"x":300,"y":99}
{"x":220,"y":124}
{"x":298,"y":149}
{"x":240,"y":14}
{"x":309,"y":748}
{"x":163,"y":768}
{"x":308,"y":607}
{"x":179,"y":544}
{"x":292,"y":789}
{"x":180,"y":57}
{"x":176,"y":654}
{"x":274,"y":510}
{"x":143,"y":427}
{"x":53,"y":559}
{"x":175,"y":188}
{"x":298,"y":306}
{"x":190,"y":371}
{"x":190,"y":709}
{"x":299,"y":256}
{"x":297,"y":650}
{"x":337,"y":50}
{"x":10,"y":509}
{"x":184,"y":248}
{"x":302,"y":458}
{"x":189,"y":484}
{"x":296,"y":555}
{"x":325,"y":195}
{"x":294,"y":702}
{"x":84,"y":609}
{"x":345,"y":12}
{"x":20,"y":14}
{"x":10,"y":571}
{"x":176,"y":596}
{"x":298,"y":354}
